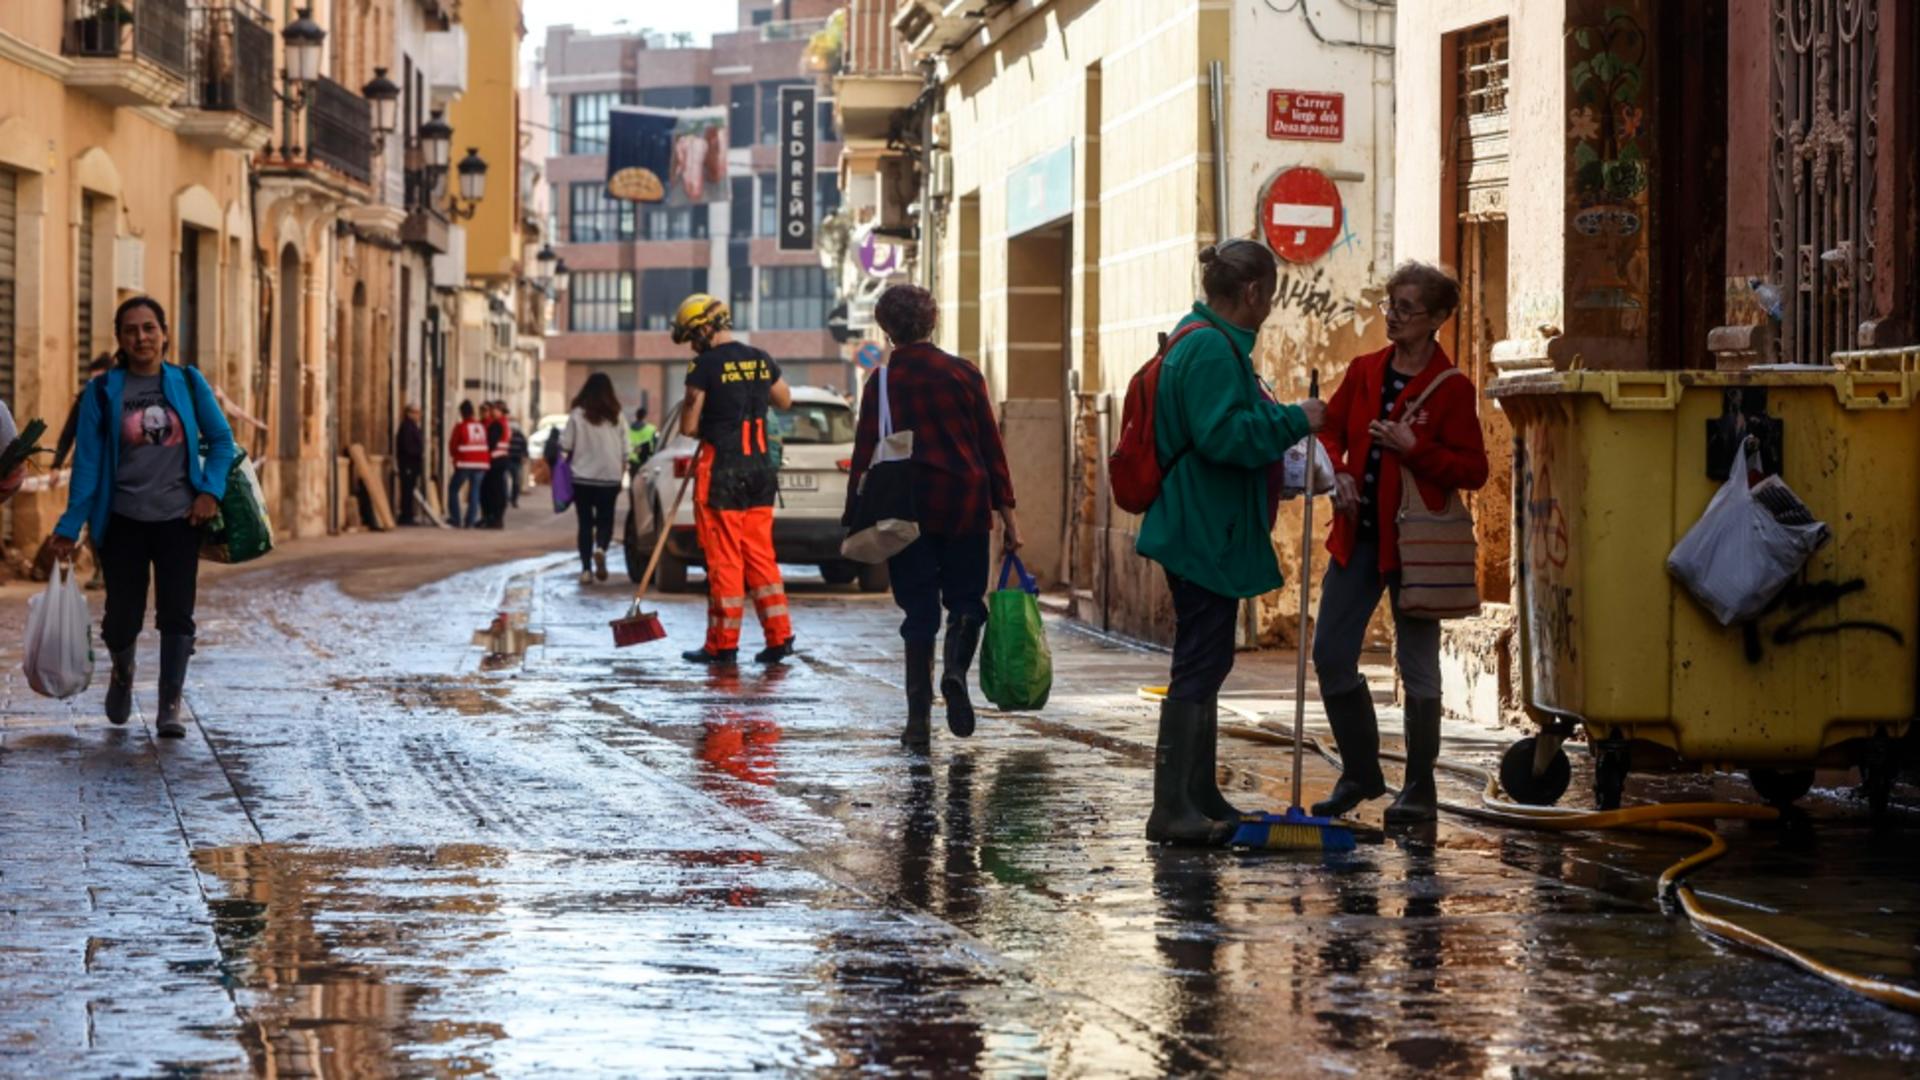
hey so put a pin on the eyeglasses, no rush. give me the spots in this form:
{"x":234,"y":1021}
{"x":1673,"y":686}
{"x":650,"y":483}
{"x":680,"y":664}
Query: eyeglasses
{"x":1405,"y":311}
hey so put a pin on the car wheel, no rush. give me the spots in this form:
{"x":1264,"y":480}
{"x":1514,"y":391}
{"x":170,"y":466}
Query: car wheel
{"x":672,"y":575}
{"x":875,"y":578}
{"x":839,"y":573}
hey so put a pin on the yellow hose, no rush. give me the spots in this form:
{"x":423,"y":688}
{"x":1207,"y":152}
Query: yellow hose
{"x":1658,"y":817}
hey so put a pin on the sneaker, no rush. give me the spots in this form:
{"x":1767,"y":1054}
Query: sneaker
{"x":600,"y":564}
{"x":586,"y":577}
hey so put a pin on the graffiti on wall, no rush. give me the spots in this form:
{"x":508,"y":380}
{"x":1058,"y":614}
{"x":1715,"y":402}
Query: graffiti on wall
{"x":1609,"y":137}
{"x":1801,"y":602}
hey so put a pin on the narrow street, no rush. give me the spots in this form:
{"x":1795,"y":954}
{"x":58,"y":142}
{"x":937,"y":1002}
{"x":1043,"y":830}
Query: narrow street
{"x":385,"y":849}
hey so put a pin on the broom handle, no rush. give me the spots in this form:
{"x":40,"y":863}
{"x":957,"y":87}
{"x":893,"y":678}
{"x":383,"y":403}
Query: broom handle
{"x":1306,"y":604}
{"x":660,"y":542}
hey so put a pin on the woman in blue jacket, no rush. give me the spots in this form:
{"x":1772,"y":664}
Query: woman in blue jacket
{"x":150,"y":462}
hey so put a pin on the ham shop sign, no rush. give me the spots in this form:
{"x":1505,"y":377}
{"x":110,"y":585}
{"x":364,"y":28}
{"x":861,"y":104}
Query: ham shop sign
{"x":1306,"y":115}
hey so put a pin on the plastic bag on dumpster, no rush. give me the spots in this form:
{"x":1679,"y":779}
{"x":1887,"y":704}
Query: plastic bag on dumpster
{"x":59,"y":653}
{"x":1747,"y":546}
{"x":1294,"y":466}
{"x":1016,"y":667}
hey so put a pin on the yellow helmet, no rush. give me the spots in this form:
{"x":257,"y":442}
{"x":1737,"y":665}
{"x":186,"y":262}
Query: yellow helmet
{"x":700,"y":315}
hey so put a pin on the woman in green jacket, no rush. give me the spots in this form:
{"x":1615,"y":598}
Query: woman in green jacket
{"x":1218,"y":432}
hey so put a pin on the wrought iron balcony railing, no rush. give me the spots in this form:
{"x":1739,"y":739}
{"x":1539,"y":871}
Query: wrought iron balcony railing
{"x":340,"y":130}
{"x":232,"y":59}
{"x":151,"y":30}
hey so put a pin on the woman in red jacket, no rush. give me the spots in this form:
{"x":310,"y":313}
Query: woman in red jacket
{"x":1370,"y":437}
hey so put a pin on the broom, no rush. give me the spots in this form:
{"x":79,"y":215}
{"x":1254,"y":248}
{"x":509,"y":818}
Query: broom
{"x":640,"y":627}
{"x":1296,"y":829}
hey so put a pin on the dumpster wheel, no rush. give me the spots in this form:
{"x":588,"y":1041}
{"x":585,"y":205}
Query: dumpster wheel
{"x":1523,"y":776}
{"x":1656,"y":817}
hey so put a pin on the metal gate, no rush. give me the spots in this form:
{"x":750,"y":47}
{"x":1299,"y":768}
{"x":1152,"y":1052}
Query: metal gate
{"x":9,"y":275}
{"x":83,"y":296}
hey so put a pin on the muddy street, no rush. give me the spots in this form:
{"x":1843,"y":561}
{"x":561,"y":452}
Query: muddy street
{"x":394,"y":844}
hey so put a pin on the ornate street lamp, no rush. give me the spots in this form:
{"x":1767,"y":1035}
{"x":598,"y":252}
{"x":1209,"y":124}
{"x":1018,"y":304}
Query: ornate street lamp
{"x":304,"y":40}
{"x":473,"y":187}
{"x":436,"y":141}
{"x":384,"y":95}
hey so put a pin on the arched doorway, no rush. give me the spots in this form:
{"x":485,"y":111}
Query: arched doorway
{"x":287,"y":443}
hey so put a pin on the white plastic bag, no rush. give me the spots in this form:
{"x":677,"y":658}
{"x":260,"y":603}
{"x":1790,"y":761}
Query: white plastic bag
{"x":59,"y":660}
{"x":1739,"y":555}
{"x":1294,"y":466}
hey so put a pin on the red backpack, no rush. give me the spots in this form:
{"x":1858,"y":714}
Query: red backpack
{"x":1134,"y":473}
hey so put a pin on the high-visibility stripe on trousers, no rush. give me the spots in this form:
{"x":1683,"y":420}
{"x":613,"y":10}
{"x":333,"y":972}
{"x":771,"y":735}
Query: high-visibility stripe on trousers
{"x":740,"y":563}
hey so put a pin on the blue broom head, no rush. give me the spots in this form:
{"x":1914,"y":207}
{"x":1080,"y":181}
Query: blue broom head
{"x":1295,"y":830}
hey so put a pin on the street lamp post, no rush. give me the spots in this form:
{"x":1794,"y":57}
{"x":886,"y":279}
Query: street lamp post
{"x":383,"y":94}
{"x":462,"y":205}
{"x":304,"y":41}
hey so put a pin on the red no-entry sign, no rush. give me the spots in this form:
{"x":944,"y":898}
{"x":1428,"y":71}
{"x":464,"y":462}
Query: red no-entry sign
{"x":1301,"y":215}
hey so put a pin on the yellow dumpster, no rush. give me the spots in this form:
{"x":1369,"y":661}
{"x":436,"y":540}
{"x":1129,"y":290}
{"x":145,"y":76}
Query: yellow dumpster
{"x":1611,"y":470}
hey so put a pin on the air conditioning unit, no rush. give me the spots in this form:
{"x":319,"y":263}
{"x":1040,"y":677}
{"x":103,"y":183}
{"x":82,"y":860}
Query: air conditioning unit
{"x":930,"y":26}
{"x":940,"y":174}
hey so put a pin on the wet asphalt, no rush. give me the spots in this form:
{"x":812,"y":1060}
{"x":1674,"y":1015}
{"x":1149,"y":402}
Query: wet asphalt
{"x":394,"y":844}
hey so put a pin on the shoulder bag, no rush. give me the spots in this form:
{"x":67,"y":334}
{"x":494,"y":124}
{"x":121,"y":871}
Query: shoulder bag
{"x":885,"y":518}
{"x":1439,"y":554}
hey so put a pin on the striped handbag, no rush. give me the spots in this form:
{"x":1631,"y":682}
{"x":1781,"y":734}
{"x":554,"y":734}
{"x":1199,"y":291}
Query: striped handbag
{"x":1439,"y":554}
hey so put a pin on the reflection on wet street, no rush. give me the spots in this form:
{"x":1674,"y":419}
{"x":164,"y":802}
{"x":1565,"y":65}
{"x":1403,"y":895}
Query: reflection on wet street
{"x":418,"y":850}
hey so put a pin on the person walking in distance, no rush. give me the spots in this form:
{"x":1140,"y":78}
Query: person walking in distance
{"x":1396,"y":409}
{"x":640,"y":436}
{"x":961,"y":484}
{"x":142,"y":489}
{"x":729,"y":389}
{"x":597,"y":447}
{"x":1219,"y":433}
{"x":410,"y":458}
{"x":517,"y":455}
{"x":471,"y":460}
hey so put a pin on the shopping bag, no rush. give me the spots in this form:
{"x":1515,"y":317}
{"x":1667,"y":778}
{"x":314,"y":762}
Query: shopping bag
{"x":1016,"y":667}
{"x":239,"y":530}
{"x":885,"y":519}
{"x":1748,"y":544}
{"x":59,"y":652}
{"x":562,"y":484}
{"x":1294,"y":469}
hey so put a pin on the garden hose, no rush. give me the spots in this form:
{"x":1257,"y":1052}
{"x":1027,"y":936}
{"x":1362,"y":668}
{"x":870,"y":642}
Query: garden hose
{"x":1654,"y":817}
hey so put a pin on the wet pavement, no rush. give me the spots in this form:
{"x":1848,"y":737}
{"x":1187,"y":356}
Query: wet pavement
{"x":450,"y":830}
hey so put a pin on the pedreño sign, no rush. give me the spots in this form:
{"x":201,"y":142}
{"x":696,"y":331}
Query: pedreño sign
{"x":797,"y":118}
{"x":1306,"y":115}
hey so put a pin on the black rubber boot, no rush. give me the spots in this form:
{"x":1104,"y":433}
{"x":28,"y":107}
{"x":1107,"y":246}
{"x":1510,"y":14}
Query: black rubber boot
{"x":963,"y":638}
{"x":120,"y":686}
{"x":1205,"y":788}
{"x":1418,"y":802}
{"x":711,"y":659}
{"x":774,"y":654}
{"x":1175,"y":819}
{"x":1357,"y":733}
{"x":174,"y":651}
{"x":919,"y":694}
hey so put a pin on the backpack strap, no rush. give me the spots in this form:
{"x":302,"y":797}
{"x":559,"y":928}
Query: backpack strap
{"x":1166,"y":346}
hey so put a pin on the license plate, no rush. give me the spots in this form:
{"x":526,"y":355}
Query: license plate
{"x":799,"y":482}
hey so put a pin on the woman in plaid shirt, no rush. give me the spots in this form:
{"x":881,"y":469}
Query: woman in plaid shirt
{"x":962,"y":483}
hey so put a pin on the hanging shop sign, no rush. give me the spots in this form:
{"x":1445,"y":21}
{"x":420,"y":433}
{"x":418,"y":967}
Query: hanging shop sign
{"x":1306,"y":115}
{"x":1040,"y":192}
{"x":1301,"y":214}
{"x":880,"y":256}
{"x":797,"y":135}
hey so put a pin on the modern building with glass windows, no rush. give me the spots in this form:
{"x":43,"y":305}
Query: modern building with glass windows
{"x":631,"y":265}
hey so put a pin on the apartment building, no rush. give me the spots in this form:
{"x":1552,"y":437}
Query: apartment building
{"x":631,"y":265}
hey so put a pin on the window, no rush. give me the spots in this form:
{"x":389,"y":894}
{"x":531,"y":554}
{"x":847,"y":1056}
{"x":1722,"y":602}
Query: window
{"x":825,"y":131}
{"x":674,"y":223}
{"x":596,"y":218}
{"x":794,"y":298}
{"x":740,"y":116}
{"x":741,"y":207}
{"x":662,"y":290}
{"x":814,"y":424}
{"x":600,"y":301}
{"x":553,"y":212}
{"x":826,"y":193}
{"x":677,"y":97}
{"x":770,"y":109}
{"x":769,"y":204}
{"x":740,"y":282}
{"x":590,"y":119}
{"x":557,"y":116}
{"x":761,"y":17}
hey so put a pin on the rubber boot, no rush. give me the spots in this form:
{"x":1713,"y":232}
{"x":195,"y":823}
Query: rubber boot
{"x":1175,"y":819}
{"x":1418,"y":802}
{"x":1205,"y":788}
{"x":174,"y":651}
{"x":120,"y":686}
{"x":919,"y":694}
{"x":963,"y":638}
{"x":711,"y":659}
{"x":1357,"y":733}
{"x":774,"y":654}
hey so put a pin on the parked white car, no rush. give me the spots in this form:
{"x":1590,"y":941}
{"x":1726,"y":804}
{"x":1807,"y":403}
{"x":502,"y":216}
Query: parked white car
{"x":816,"y":440}
{"x":548,"y":428}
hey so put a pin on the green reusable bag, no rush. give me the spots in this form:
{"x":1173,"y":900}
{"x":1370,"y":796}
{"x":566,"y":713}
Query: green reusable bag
{"x":1016,"y":667}
{"x":239,"y":531}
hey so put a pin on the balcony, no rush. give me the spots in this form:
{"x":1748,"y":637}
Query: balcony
{"x":230,"y":88}
{"x":340,"y":130}
{"x":128,"y":52}
{"x":877,"y":77}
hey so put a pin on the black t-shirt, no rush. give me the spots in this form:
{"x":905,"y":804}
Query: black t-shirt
{"x":1391,"y":387}
{"x":736,"y":379}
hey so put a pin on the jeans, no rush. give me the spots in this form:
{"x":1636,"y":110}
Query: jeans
{"x":1348,"y":596}
{"x":516,"y":482}
{"x":473,"y":479}
{"x":593,"y":509}
{"x":940,"y":569}
{"x":165,"y":552}
{"x":1203,"y":627}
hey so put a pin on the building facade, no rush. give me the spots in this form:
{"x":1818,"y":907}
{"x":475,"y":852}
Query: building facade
{"x":630,"y":265}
